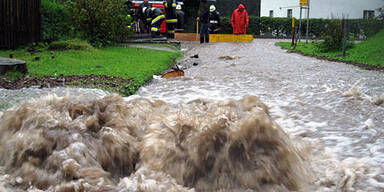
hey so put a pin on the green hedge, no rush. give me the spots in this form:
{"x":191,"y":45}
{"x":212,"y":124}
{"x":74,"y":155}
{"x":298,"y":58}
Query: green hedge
{"x":55,"y":21}
{"x":282,"y":27}
{"x":101,"y":22}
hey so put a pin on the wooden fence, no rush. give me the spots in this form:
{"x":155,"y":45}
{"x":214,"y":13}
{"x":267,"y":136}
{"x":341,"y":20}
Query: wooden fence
{"x":19,"y":22}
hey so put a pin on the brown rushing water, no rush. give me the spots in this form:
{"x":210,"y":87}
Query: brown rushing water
{"x":205,"y":134}
{"x":67,"y":144}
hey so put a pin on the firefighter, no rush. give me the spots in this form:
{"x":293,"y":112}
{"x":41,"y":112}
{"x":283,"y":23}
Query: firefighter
{"x":170,"y":13}
{"x":214,"y":20}
{"x":156,"y":17}
{"x":203,"y":18}
{"x":130,"y":15}
{"x":180,"y":18}
{"x":146,"y":24}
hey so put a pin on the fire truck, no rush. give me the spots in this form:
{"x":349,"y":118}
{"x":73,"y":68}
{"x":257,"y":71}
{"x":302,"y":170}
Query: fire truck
{"x":139,"y":27}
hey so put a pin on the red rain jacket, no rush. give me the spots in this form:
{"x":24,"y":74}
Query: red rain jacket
{"x":240,"y":20}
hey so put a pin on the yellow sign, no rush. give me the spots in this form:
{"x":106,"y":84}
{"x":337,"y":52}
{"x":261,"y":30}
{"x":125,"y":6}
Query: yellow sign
{"x":303,"y":2}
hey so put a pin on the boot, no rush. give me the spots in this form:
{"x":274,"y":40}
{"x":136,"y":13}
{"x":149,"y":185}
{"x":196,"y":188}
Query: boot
{"x":207,"y":40}
{"x":201,"y":39}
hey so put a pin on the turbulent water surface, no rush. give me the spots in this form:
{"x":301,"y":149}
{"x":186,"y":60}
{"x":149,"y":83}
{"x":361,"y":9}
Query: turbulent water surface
{"x":202,"y":132}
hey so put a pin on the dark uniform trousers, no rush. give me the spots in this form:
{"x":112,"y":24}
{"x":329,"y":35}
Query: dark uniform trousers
{"x":171,"y":18}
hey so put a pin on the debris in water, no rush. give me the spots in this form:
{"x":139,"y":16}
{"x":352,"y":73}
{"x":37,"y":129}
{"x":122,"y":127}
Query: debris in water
{"x":353,"y":91}
{"x":228,"y":57}
{"x":378,"y":100}
{"x":108,"y":144}
{"x":177,"y":72}
{"x":195,"y":56}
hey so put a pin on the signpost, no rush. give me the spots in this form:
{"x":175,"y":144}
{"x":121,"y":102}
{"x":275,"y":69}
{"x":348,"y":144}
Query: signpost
{"x":304,"y":4}
{"x":307,"y":32}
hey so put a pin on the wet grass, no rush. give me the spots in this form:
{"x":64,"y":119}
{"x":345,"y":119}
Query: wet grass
{"x":369,"y":52}
{"x":127,"y":63}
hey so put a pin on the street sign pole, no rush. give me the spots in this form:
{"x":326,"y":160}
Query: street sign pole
{"x":307,"y":35}
{"x":299,"y":32}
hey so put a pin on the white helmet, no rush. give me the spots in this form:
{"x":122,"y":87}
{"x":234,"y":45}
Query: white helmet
{"x":144,"y":9}
{"x":178,"y":7}
{"x":212,"y":8}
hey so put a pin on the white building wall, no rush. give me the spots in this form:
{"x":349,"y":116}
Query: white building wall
{"x":321,"y":8}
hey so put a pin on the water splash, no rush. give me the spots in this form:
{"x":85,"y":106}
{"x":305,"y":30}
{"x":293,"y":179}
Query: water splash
{"x":108,"y":144}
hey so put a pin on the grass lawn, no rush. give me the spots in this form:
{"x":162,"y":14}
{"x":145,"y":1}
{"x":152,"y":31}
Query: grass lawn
{"x":127,"y":63}
{"x":369,"y":52}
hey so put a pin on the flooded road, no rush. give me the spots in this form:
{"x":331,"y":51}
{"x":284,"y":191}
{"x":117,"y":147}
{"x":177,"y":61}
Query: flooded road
{"x":327,"y":104}
{"x":327,"y":109}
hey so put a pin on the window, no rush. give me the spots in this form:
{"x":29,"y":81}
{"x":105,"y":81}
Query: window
{"x":270,"y":13}
{"x":289,"y":13}
{"x":368,"y":14}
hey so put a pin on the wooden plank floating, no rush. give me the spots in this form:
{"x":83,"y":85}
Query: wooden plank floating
{"x":215,"y":37}
{"x":7,"y":64}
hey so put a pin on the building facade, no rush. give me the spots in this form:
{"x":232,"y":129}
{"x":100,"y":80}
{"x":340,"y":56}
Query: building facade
{"x":351,"y":9}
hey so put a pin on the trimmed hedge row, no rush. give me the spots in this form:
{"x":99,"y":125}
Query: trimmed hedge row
{"x":282,"y":27}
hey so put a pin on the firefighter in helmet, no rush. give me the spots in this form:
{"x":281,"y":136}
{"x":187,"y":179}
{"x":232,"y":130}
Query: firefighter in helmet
{"x":214,"y":20}
{"x":180,"y":18}
{"x":156,"y":17}
{"x":130,"y":14}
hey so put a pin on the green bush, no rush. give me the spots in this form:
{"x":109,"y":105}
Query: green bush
{"x":102,"y":22}
{"x":282,"y":27}
{"x":55,"y":21}
{"x":333,"y":37}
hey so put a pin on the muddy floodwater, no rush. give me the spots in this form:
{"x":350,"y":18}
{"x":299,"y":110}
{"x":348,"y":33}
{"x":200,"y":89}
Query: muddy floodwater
{"x":245,"y":117}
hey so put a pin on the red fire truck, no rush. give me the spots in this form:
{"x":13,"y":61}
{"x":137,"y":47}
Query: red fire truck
{"x":139,"y":28}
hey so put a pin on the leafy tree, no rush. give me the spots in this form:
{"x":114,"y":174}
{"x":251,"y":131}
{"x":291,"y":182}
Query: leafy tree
{"x":102,"y":22}
{"x":55,"y":22}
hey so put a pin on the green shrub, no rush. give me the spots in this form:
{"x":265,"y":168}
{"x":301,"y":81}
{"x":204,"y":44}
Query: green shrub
{"x":55,"y":21}
{"x":282,"y":27}
{"x":333,"y":37}
{"x":102,"y":22}
{"x":74,"y":44}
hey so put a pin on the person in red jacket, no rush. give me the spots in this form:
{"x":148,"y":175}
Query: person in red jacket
{"x":240,"y":20}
